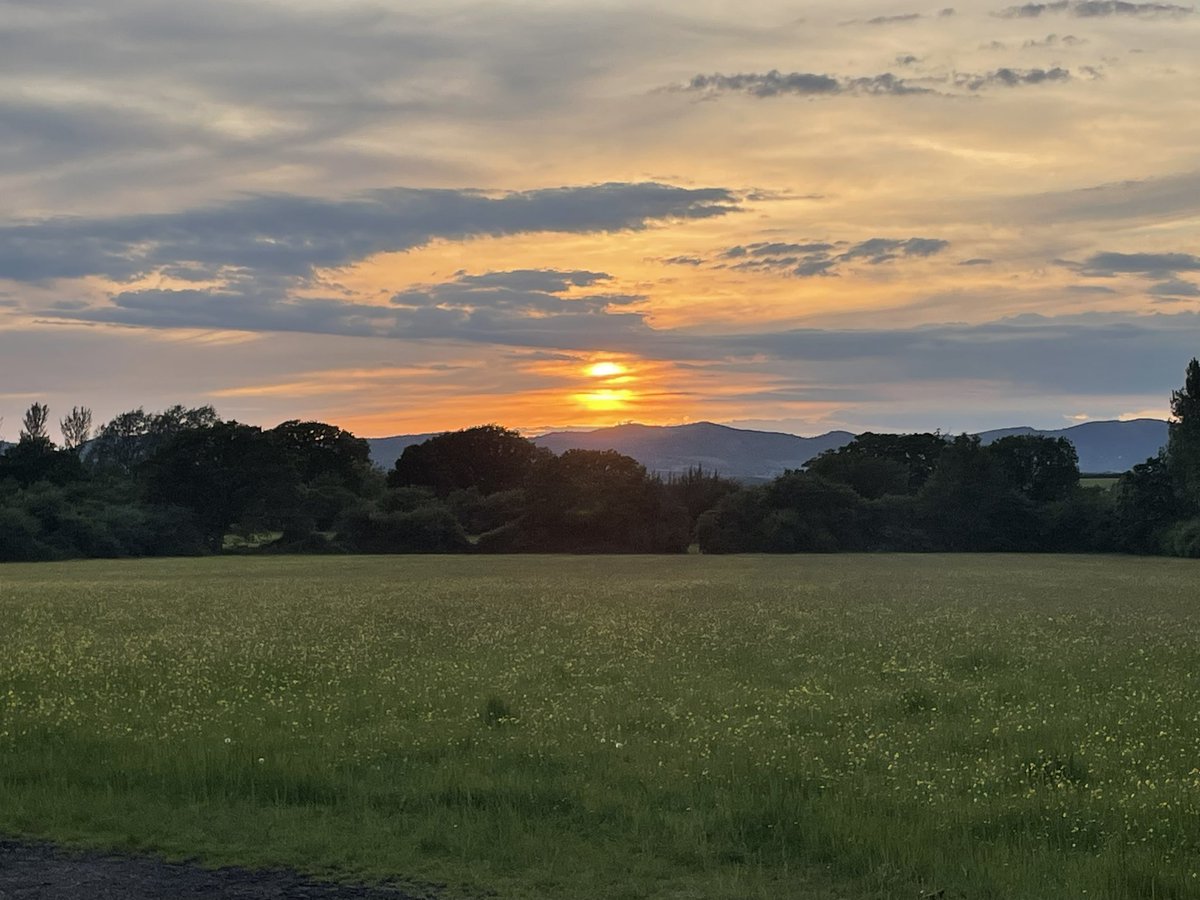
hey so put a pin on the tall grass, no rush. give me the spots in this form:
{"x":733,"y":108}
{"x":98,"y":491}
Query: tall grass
{"x":879,"y":726}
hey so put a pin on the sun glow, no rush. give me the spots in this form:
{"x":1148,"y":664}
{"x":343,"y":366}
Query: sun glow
{"x":606,"y":369}
{"x":606,"y":400}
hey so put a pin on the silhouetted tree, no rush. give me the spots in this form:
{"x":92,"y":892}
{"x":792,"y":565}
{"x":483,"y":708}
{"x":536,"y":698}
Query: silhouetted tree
{"x":1183,"y":444}
{"x":878,"y":464}
{"x":698,"y":491}
{"x":869,"y":475}
{"x":488,"y":458}
{"x":735,"y":524}
{"x":595,"y":501}
{"x":969,"y":504}
{"x":223,"y":474}
{"x":1148,"y":503}
{"x":76,"y":427}
{"x":34,"y":424}
{"x":324,"y":451}
{"x":1041,"y":468}
{"x":31,"y":461}
{"x":133,"y":437}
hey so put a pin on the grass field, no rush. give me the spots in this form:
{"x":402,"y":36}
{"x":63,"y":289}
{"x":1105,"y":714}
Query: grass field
{"x":807,"y":726}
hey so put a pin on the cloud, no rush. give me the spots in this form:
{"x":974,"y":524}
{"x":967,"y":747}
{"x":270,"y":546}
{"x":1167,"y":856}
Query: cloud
{"x":290,"y":236}
{"x":255,"y":262}
{"x":528,"y":307}
{"x":1163,"y":268}
{"x":770,"y":84}
{"x":1158,"y":265}
{"x":550,"y":281}
{"x":976,"y":261}
{"x":1166,"y":198}
{"x":1094,"y":9}
{"x":901,"y":18}
{"x":1054,"y":40}
{"x":1087,"y":354}
{"x":818,"y":258}
{"x":806,"y":84}
{"x":1175,"y":288}
{"x":889,"y":20}
{"x":1011,"y":78}
{"x":881,"y":250}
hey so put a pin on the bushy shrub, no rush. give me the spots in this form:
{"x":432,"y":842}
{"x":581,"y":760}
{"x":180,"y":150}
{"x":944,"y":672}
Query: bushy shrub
{"x":426,"y":529}
{"x":1183,"y":539}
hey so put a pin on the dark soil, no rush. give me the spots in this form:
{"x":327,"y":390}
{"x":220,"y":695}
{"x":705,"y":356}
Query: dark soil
{"x":38,"y":871}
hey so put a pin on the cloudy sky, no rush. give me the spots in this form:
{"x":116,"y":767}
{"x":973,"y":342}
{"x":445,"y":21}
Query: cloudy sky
{"x":411,"y":216}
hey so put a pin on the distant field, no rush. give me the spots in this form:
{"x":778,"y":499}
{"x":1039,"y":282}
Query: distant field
{"x":1108,"y":482}
{"x":687,"y":727}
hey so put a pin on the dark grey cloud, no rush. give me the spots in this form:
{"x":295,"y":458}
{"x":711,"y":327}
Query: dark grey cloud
{"x":289,"y":236}
{"x":1054,"y":40}
{"x":531,"y":307}
{"x":1162,"y":268}
{"x":1175,"y":288}
{"x":819,"y":258}
{"x":539,"y":292}
{"x":1158,"y":265}
{"x":1089,"y":354}
{"x":264,"y":251}
{"x":550,"y":281}
{"x":1032,"y":10}
{"x":1088,"y":289}
{"x":806,"y":84}
{"x":769,"y":84}
{"x":890,"y":20}
{"x":774,"y":248}
{"x":976,"y":261}
{"x":885,"y":83}
{"x":881,"y":250}
{"x":1090,"y":8}
{"x":683,"y":261}
{"x":1094,"y":9}
{"x":902,"y":18}
{"x":1006,"y":77}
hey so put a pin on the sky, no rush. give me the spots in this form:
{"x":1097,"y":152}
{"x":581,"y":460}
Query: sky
{"x":408,"y":217}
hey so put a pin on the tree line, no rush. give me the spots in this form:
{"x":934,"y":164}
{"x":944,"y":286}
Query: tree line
{"x":183,"y":481}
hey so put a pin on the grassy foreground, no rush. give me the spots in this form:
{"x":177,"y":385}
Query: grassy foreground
{"x":845,"y":726}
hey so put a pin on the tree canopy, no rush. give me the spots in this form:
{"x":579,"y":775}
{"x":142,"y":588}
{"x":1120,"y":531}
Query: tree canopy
{"x":185,"y":481}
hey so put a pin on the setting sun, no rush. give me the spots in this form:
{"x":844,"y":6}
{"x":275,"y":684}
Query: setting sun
{"x":606,"y":369}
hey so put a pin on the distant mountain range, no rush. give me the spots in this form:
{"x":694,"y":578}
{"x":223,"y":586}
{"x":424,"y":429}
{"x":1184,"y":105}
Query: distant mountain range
{"x":734,"y":452}
{"x":1103,"y":446}
{"x":761,"y":455}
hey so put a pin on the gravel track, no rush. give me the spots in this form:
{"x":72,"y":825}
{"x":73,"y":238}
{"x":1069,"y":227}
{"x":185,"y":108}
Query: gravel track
{"x":40,"y":871}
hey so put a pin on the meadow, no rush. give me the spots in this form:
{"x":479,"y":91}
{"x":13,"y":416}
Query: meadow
{"x":596,"y":727}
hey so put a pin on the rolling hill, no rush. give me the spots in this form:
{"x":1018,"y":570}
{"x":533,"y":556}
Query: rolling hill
{"x":1103,"y":446}
{"x":760,"y":455}
{"x":734,"y":452}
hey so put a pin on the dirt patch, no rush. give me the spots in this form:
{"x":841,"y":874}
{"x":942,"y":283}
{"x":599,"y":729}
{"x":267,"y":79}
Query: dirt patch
{"x":38,"y":871}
